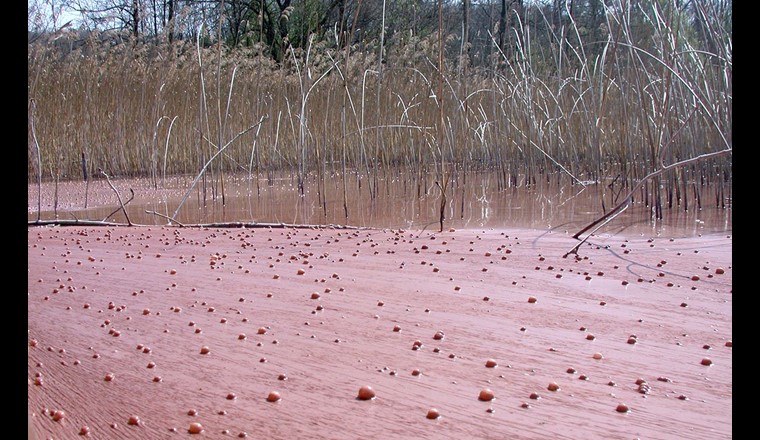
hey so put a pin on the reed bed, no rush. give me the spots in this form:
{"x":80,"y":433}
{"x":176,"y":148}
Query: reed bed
{"x":647,"y":93}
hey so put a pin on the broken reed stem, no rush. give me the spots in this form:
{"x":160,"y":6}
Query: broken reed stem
{"x":86,"y":179}
{"x":575,"y":248}
{"x":118,"y":196}
{"x":131,"y":197}
{"x":208,"y":162}
{"x":166,"y":217}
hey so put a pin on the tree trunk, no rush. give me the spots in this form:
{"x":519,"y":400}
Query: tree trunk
{"x":135,"y":18}
{"x":503,"y":25}
{"x":171,"y":20}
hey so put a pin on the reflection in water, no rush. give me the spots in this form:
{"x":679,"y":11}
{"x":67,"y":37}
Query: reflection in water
{"x":401,"y":202}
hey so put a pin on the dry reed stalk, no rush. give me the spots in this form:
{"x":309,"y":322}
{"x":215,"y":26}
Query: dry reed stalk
{"x":33,"y":105}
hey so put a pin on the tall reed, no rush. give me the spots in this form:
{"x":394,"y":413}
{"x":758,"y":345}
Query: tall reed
{"x":608,"y":113}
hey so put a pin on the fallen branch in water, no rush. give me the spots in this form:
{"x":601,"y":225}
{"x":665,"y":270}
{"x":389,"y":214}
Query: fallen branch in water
{"x":250,"y":225}
{"x":608,"y":217}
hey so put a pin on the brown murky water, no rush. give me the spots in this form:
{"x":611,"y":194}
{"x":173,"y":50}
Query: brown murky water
{"x":401,"y":202}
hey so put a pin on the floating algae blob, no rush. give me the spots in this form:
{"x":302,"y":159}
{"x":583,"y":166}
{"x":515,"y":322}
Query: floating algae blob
{"x":195,"y":428}
{"x":366,"y":393}
{"x":433,"y":413}
{"x":486,"y":395}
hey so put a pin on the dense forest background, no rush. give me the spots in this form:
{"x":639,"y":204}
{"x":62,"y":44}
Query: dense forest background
{"x":584,"y":91}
